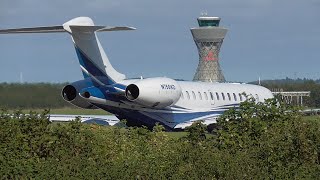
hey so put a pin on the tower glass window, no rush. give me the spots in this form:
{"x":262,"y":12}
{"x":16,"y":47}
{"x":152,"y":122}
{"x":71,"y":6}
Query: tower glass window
{"x":208,"y":22}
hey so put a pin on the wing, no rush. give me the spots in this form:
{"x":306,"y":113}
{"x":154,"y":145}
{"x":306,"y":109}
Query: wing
{"x":89,"y":119}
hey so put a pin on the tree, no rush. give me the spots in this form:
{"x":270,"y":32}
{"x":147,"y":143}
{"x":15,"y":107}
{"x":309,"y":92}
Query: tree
{"x":197,"y":131}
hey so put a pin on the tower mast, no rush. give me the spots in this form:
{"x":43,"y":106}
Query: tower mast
{"x":209,"y":37}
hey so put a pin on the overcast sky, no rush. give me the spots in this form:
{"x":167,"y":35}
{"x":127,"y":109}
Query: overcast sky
{"x":267,"y":38}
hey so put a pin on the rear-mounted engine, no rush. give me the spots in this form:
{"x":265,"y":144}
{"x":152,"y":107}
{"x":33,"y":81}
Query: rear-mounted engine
{"x":70,"y":93}
{"x":154,"y":92}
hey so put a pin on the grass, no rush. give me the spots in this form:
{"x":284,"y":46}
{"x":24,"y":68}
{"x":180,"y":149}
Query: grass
{"x":78,"y":111}
{"x":314,"y":118}
{"x":177,"y":135}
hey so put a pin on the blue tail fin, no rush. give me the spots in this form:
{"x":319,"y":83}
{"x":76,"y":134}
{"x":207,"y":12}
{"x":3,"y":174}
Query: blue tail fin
{"x":93,"y":60}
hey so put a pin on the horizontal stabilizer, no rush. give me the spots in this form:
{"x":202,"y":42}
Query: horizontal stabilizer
{"x":56,"y":29}
{"x":45,"y":29}
{"x":99,"y":28}
{"x":119,"y":28}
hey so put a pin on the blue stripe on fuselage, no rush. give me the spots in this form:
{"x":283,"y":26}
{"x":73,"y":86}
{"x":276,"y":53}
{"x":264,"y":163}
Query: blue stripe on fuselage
{"x":133,"y":117}
{"x":149,"y":119}
{"x":183,"y":117}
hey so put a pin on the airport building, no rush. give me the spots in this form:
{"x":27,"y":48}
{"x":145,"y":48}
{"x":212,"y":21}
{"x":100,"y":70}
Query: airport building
{"x":209,"y":37}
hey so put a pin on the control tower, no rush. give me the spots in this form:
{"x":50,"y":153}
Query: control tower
{"x":208,"y":38}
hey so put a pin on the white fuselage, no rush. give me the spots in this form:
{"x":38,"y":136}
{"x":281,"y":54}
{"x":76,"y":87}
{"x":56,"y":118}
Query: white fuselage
{"x":197,"y":101}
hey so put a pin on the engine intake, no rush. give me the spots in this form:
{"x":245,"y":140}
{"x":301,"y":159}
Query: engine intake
{"x":132,"y":92}
{"x":70,"y":93}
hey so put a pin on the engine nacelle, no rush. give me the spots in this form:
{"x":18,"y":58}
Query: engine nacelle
{"x":70,"y":93}
{"x":154,"y":92}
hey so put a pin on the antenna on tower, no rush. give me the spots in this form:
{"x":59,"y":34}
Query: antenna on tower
{"x":21,"y":78}
{"x":204,"y":13}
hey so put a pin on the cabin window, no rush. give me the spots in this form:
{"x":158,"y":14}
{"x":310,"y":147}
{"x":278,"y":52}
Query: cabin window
{"x":240,"y":97}
{"x":234,"y":96}
{"x":217,"y":96}
{"x":223,"y":97}
{"x":182,"y":97}
{"x":211,"y":95}
{"x":194,"y":95}
{"x":229,"y":97}
{"x":205,"y":95}
{"x":200,"y":96}
{"x":188,"y":95}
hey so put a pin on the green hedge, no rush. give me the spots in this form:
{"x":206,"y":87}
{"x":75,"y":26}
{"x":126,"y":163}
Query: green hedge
{"x":254,"y":142}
